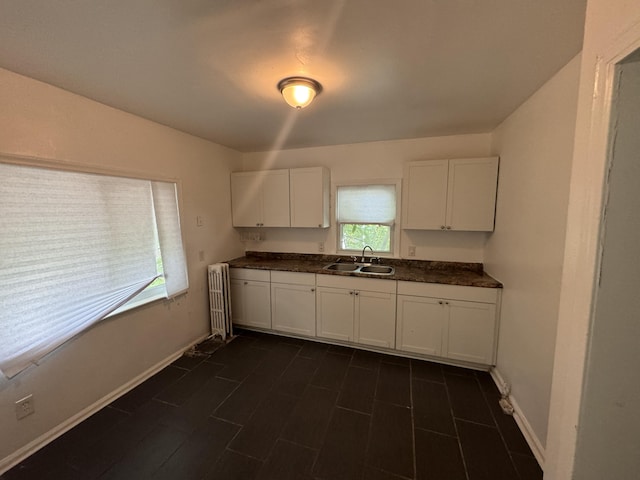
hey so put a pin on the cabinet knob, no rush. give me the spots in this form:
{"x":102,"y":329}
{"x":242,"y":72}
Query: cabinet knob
{"x":313,"y":289}
{"x":440,"y":302}
{"x":357,"y":293}
{"x":442,"y":227}
{"x":320,"y":225}
{"x":246,"y":283}
{"x":351,"y":293}
{"x":448,"y":227}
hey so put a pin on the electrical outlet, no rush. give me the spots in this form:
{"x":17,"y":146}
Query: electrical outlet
{"x":199,"y":221}
{"x":412,"y":250}
{"x":321,"y":246}
{"x":201,"y":255}
{"x":24,"y":407}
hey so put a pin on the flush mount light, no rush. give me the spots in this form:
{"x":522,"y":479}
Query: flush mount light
{"x":299,"y":91}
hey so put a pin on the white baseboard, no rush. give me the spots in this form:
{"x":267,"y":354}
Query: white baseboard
{"x":32,"y":447}
{"x":525,"y":427}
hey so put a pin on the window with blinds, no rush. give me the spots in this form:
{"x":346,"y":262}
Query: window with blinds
{"x":76,"y":247}
{"x":366,"y":215}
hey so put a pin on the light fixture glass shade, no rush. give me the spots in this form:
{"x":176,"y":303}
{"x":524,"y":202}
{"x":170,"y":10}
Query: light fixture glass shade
{"x":299,"y":91}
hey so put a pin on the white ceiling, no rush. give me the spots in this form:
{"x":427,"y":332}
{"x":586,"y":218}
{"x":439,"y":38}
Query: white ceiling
{"x":389,"y":69}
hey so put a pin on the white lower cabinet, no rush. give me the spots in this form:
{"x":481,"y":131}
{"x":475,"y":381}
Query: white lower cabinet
{"x":420,"y":325}
{"x":359,"y":310}
{"x":293,"y":302}
{"x":447,"y":321}
{"x":470,"y":331}
{"x":251,"y":297}
{"x":334,"y":310}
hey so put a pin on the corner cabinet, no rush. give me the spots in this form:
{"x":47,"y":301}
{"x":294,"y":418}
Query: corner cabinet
{"x":260,"y":199}
{"x":297,"y":197}
{"x":359,"y":310}
{"x":250,"y":297}
{"x":453,"y":194}
{"x":448,"y":321}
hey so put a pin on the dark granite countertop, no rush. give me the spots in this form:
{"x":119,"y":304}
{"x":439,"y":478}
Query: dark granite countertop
{"x":449,"y":273}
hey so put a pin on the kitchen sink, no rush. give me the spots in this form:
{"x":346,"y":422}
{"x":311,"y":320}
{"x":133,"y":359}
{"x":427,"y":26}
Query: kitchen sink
{"x":379,"y":269}
{"x":366,"y":268}
{"x":342,"y":267}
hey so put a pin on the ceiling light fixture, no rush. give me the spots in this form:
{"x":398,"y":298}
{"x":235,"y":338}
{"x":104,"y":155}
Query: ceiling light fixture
{"x":299,"y":91}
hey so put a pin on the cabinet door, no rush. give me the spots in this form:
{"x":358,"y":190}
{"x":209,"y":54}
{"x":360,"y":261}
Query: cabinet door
{"x":251,"y":303}
{"x":471,"y":198}
{"x":375,"y":315}
{"x":246,"y":199}
{"x":425,"y":195}
{"x":309,"y":197}
{"x":471,"y":332}
{"x":334,"y":308}
{"x":293,"y":308}
{"x":275,"y":198}
{"x":420,"y":325}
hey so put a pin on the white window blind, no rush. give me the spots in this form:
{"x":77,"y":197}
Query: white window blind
{"x":366,"y":204}
{"x":75,"y":247}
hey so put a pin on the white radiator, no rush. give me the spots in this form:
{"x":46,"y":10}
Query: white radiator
{"x":220,"y":300}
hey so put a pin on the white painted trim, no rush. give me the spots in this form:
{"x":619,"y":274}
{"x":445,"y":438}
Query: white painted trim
{"x":521,"y":420}
{"x":583,"y":242}
{"x":32,"y":447}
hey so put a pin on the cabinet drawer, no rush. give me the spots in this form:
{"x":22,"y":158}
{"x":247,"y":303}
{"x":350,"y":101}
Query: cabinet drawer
{"x":454,"y":292}
{"x":357,"y":283}
{"x":294,"y":278}
{"x":250,"y":274}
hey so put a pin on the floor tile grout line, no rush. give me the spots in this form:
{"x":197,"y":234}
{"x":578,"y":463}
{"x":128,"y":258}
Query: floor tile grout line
{"x":413,"y":422}
{"x":422,"y":429}
{"x":324,"y":438}
{"x":455,"y":427}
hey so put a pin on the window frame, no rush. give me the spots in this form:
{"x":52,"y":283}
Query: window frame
{"x":152,"y":293}
{"x":394,"y":246}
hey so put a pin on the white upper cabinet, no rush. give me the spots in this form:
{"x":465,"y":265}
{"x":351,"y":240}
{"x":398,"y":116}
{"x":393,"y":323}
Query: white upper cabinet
{"x":425,"y":192}
{"x":309,"y":197}
{"x":260,"y":199}
{"x":297,"y":197}
{"x":457,"y":194}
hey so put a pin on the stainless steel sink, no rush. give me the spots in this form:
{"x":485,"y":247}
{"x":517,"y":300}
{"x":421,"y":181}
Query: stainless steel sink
{"x":367,"y":268}
{"x":379,"y":269}
{"x":342,"y":267}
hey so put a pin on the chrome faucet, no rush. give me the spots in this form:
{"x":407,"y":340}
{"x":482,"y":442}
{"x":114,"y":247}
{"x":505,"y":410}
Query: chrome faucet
{"x":365,"y":247}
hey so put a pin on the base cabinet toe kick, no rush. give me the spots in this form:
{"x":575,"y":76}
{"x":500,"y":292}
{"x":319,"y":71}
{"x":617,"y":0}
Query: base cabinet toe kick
{"x":444,"y":323}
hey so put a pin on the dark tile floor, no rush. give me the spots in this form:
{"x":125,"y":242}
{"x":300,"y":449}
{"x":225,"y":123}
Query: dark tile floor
{"x":270,"y":407}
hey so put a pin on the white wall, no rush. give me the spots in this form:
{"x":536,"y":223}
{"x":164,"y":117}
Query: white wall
{"x":526,"y":250}
{"x":374,"y":160}
{"x":612,"y":30}
{"x":39,"y":120}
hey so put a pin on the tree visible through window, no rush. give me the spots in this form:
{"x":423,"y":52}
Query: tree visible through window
{"x":355,"y":236}
{"x":366,"y":216}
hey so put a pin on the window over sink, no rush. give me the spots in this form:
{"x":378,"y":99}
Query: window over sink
{"x":366,"y":215}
